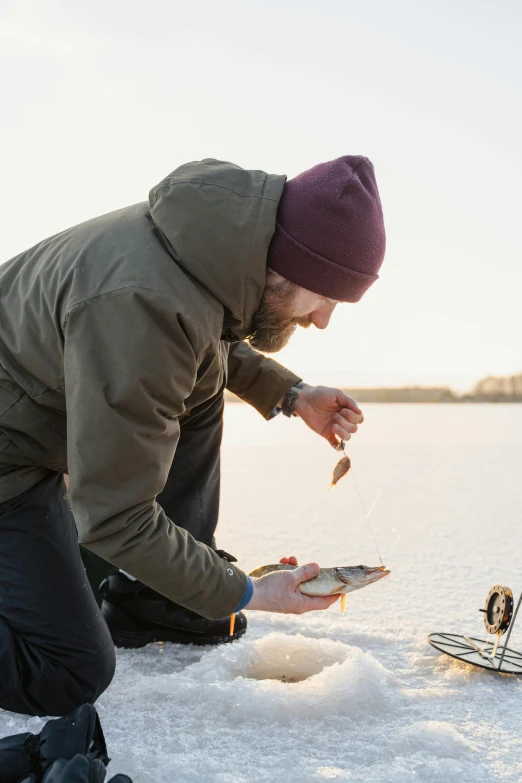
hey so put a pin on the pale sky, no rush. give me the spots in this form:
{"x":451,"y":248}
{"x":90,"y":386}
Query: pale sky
{"x":102,"y":99}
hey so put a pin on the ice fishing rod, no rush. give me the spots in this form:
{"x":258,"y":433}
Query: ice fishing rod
{"x":499,"y":619}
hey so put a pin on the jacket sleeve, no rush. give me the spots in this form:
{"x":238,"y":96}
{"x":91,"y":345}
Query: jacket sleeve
{"x":257,"y":379}
{"x":130,"y":362}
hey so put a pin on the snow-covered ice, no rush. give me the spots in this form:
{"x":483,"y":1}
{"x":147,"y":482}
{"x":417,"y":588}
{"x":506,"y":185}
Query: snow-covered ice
{"x":359,"y":697}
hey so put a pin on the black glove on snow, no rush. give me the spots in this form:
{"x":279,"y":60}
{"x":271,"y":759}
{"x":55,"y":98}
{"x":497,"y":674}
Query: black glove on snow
{"x":79,"y":732}
{"x":79,"y":769}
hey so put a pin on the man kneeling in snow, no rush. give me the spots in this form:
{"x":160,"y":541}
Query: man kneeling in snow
{"x":117,"y":340}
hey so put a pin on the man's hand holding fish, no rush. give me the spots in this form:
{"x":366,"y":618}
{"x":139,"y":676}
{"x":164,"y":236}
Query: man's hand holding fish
{"x":279,"y":592}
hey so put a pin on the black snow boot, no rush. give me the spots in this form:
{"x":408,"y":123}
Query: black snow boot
{"x":79,"y":769}
{"x":137,"y":615}
{"x":23,"y":755}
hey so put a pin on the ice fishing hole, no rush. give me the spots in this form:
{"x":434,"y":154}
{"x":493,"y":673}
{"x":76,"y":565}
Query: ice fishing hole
{"x":292,"y":659}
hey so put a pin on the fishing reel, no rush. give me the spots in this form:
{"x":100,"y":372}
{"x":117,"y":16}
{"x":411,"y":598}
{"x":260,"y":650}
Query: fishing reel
{"x":499,"y":619}
{"x":498,"y":610}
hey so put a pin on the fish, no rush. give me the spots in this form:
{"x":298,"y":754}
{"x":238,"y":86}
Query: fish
{"x":330,"y":581}
{"x":340,"y":470}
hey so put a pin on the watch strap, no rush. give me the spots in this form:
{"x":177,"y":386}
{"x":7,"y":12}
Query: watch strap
{"x":290,"y":399}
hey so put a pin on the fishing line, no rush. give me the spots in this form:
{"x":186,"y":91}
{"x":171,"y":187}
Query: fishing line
{"x":377,"y":496}
{"x":366,"y":513}
{"x":367,"y":516}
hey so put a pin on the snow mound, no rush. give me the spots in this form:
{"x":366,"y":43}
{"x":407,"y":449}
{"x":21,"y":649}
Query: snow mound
{"x":289,"y":659}
{"x":293,"y":676}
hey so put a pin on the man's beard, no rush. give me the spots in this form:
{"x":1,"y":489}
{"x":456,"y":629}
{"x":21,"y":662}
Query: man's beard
{"x":273,"y":323}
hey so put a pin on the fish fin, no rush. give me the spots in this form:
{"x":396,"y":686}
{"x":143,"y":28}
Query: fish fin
{"x":332,"y":486}
{"x":343,"y":603}
{"x":232,"y":624}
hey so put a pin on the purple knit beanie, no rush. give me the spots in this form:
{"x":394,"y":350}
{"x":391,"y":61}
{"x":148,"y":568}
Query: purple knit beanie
{"x":329,"y":235}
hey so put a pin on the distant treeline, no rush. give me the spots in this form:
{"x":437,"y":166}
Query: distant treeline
{"x":491,"y":389}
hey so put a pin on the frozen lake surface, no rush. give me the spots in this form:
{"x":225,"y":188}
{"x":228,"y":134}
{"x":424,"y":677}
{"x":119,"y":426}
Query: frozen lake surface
{"x":377,"y":702}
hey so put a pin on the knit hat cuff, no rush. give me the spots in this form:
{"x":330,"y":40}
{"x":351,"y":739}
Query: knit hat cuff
{"x":299,"y":264}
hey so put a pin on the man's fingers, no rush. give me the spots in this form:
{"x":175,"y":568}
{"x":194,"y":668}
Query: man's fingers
{"x":348,"y":402}
{"x":351,"y":416}
{"x":341,"y":431}
{"x":305,"y":572}
{"x":332,"y":440}
{"x":349,"y":426}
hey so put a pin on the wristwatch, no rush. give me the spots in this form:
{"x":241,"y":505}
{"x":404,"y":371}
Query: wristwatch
{"x":290,"y":399}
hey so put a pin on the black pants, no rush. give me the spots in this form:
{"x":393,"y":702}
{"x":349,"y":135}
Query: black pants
{"x":55,"y":648}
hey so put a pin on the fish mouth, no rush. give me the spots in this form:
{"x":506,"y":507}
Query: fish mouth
{"x":379,"y":572}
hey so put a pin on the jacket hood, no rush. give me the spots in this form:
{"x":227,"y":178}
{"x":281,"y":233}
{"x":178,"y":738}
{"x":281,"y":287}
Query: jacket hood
{"x":218,"y":220}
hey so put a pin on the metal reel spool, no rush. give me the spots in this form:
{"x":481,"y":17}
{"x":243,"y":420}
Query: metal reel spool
{"x":498,"y":610}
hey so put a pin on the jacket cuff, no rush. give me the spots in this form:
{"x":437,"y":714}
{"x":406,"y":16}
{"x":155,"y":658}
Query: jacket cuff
{"x":280,"y":380}
{"x":249,"y":592}
{"x":257,"y":379}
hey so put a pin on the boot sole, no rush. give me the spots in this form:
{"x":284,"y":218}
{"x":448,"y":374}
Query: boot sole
{"x":135,"y":639}
{"x":132,"y":639}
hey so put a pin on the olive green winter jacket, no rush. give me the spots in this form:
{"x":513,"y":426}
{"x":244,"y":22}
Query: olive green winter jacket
{"x":110,"y":333}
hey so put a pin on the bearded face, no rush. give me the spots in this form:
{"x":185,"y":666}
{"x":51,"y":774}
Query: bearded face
{"x":274,"y":321}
